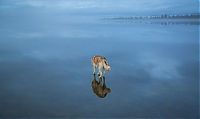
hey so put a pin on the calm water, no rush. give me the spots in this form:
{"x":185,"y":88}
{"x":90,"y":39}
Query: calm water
{"x":45,"y":67}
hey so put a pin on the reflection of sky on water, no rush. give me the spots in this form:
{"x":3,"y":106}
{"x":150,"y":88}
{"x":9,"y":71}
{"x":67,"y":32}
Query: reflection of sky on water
{"x":46,"y":71}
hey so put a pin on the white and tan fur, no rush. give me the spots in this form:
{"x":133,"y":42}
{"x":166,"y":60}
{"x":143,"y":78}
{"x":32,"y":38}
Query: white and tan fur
{"x":101,"y":63}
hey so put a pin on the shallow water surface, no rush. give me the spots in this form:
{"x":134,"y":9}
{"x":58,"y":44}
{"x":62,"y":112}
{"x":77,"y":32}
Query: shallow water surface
{"x":46,"y":71}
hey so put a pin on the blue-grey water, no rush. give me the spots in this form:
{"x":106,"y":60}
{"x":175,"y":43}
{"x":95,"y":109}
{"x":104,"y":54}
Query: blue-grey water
{"x":46,"y":71}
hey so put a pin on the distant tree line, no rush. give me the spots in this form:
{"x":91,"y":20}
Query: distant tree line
{"x":164,"y":16}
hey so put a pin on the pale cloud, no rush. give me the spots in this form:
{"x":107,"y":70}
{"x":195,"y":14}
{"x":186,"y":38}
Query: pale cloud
{"x":98,"y":4}
{"x":61,"y":4}
{"x":167,"y":69}
{"x":106,"y":5}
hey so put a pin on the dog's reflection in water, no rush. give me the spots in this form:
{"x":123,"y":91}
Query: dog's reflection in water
{"x":99,"y":87}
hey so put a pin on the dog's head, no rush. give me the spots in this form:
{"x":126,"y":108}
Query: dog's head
{"x":107,"y":66}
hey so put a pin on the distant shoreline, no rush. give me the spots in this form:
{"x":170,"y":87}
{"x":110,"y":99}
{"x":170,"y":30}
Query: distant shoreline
{"x":192,"y":16}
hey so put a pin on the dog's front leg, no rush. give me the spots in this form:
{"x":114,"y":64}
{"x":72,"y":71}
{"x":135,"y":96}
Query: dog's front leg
{"x":94,"y":69}
{"x":100,"y":72}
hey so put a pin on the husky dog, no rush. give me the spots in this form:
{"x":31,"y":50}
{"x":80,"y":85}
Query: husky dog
{"x":101,"y":63}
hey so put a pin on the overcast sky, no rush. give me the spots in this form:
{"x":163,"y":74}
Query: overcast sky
{"x":106,"y":6}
